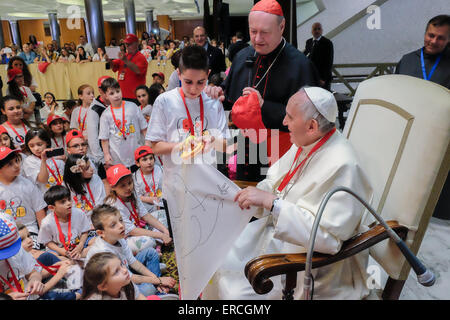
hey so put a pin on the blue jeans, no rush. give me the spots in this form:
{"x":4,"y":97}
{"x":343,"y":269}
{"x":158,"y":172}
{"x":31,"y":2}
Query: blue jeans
{"x":48,"y":258}
{"x":149,"y":258}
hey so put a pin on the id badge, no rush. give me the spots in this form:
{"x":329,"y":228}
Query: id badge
{"x":122,"y":75}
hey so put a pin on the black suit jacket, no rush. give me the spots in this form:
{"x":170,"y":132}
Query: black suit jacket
{"x":235,"y":48}
{"x":322,"y":57}
{"x":216,"y":60}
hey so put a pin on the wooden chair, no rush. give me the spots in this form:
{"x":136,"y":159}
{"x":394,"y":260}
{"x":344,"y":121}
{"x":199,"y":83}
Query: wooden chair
{"x":400,"y":128}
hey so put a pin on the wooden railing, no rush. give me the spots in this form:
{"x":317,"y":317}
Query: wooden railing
{"x":346,"y":79}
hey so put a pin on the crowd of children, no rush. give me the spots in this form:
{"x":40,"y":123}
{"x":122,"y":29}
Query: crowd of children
{"x":81,"y":199}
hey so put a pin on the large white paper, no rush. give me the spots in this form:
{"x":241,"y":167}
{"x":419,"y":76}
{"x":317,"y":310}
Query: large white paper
{"x":205,"y":222}
{"x":112,"y":52}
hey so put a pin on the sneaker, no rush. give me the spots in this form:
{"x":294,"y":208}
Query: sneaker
{"x":163,"y":268}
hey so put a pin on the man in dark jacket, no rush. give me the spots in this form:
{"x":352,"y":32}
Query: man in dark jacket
{"x":237,"y":46}
{"x":321,"y":52}
{"x":216,"y":58}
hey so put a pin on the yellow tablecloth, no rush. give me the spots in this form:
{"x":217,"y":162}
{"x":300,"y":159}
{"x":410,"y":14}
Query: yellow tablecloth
{"x":63,"y":79}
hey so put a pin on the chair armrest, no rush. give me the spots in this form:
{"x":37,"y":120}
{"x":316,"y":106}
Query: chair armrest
{"x":260,"y":269}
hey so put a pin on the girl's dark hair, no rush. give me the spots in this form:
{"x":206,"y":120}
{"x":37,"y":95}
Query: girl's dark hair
{"x":153,"y":92}
{"x":56,"y":193}
{"x":109,"y":83}
{"x":175,"y":59}
{"x":11,"y":146}
{"x":95,"y":273}
{"x":143,"y":87}
{"x":82,"y":56}
{"x":40,"y":133}
{"x":12,"y":156}
{"x":7,"y":98}
{"x":74,"y":181}
{"x":51,"y":133}
{"x":193,"y":57}
{"x":27,"y":77}
{"x":14,"y":90}
{"x":148,"y":36}
{"x":69,"y":104}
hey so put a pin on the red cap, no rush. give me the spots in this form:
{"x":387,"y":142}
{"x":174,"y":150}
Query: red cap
{"x":160,"y":74}
{"x":12,"y":73}
{"x":100,"y":80}
{"x":5,"y":151}
{"x":130,"y":38}
{"x":3,"y":130}
{"x":115,"y":173}
{"x":246,"y":114}
{"x":269,"y":6}
{"x":72,"y":134}
{"x":142,"y":152}
{"x":52,"y":118}
{"x":42,"y":66}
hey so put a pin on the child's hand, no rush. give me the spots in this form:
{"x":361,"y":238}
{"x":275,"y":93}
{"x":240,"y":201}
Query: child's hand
{"x":64,"y":267}
{"x":208,"y":143}
{"x":35,"y":287}
{"x":166,"y":238}
{"x":44,"y":154}
{"x":18,"y":295}
{"x":75,"y":253}
{"x":167,"y":282}
{"x":108,"y":161}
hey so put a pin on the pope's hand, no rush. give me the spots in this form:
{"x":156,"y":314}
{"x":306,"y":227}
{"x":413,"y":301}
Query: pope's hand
{"x":215,"y":92}
{"x":248,"y":90}
{"x":252,"y":196}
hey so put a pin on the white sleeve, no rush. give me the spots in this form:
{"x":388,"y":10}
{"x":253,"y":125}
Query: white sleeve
{"x":141,"y":119}
{"x":45,"y":232}
{"x":157,"y":126}
{"x":74,"y":118}
{"x":85,"y":224}
{"x":127,"y":252}
{"x":31,"y":98}
{"x":37,"y":199}
{"x":99,"y":193}
{"x":142,"y":211}
{"x":103,"y":133}
{"x":93,"y":131}
{"x":30,"y":170}
{"x":174,"y":81}
{"x":222,"y":124}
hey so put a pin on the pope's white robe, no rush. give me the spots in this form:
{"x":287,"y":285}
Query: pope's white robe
{"x":287,"y":230}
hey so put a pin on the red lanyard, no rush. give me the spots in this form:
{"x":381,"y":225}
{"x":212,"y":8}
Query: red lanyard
{"x":290,"y":173}
{"x":17,"y":134}
{"x":61,"y":234}
{"x":17,"y":287}
{"x":147,"y":188}
{"x":48,"y":268}
{"x":83,"y":197}
{"x":191,"y":124}
{"x":58,"y":180}
{"x":57,"y":144}
{"x":133,"y":213}
{"x":117,"y":123}
{"x":24,"y":92}
{"x":82,"y":126}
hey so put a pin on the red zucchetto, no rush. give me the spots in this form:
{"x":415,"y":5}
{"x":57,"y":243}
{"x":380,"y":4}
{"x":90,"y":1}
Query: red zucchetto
{"x":268,"y":6}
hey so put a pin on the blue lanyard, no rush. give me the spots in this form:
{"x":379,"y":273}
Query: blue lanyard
{"x":424,"y":72}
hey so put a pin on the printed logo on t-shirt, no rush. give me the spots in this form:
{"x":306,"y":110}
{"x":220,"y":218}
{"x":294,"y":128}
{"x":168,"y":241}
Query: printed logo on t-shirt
{"x":129,"y":128}
{"x":13,"y":207}
{"x":183,"y":127}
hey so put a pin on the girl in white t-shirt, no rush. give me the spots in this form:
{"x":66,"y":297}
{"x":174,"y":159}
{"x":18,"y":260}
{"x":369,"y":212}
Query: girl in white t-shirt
{"x":50,"y":107}
{"x":15,"y":125}
{"x":79,"y":114}
{"x":107,"y":278}
{"x":121,"y":127}
{"x":142,"y":95}
{"x":43,"y":171}
{"x":87,"y":189}
{"x":135,"y":215}
{"x":55,"y":124}
{"x":16,"y":87}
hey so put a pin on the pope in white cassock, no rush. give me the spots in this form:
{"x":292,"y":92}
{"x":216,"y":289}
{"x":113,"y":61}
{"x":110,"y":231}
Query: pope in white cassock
{"x":288,"y":200}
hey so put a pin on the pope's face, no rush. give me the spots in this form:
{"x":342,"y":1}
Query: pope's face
{"x":299,"y":129}
{"x":436,"y":39}
{"x":265,"y":31}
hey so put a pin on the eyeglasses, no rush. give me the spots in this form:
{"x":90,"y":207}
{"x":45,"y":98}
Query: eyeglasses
{"x":76,"y":146}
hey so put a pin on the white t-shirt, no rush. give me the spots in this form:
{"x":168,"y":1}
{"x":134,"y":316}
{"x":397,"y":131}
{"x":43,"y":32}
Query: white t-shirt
{"x":174,"y":81}
{"x":147,"y":110}
{"x":45,"y":111}
{"x":121,"y":150}
{"x":22,"y":199}
{"x":59,"y":142}
{"x":49,"y":231}
{"x":140,"y":188}
{"x":125,"y":211}
{"x":98,"y":192}
{"x":169,"y":122}
{"x":28,"y":99}
{"x":19,"y":138}
{"x":75,"y":124}
{"x":32,"y":166}
{"x":121,"y":250}
{"x":21,"y":264}
{"x":93,"y":118}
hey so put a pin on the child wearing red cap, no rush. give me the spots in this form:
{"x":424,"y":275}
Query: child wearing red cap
{"x":121,"y":126}
{"x":17,"y":88}
{"x":56,"y":131}
{"x":19,"y":197}
{"x":123,"y":197}
{"x":148,"y":182}
{"x":15,"y":125}
{"x":37,"y":167}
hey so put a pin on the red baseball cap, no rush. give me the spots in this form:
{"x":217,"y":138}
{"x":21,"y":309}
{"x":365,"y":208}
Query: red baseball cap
{"x":100,"y":80}
{"x":142,"y":152}
{"x":160,"y":74}
{"x":3,"y":130}
{"x":246,"y":114}
{"x":52,"y":118}
{"x":115,"y":173}
{"x":72,"y":134}
{"x":12,"y":73}
{"x":5,"y":151}
{"x":268,"y":6}
{"x":130,"y":38}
